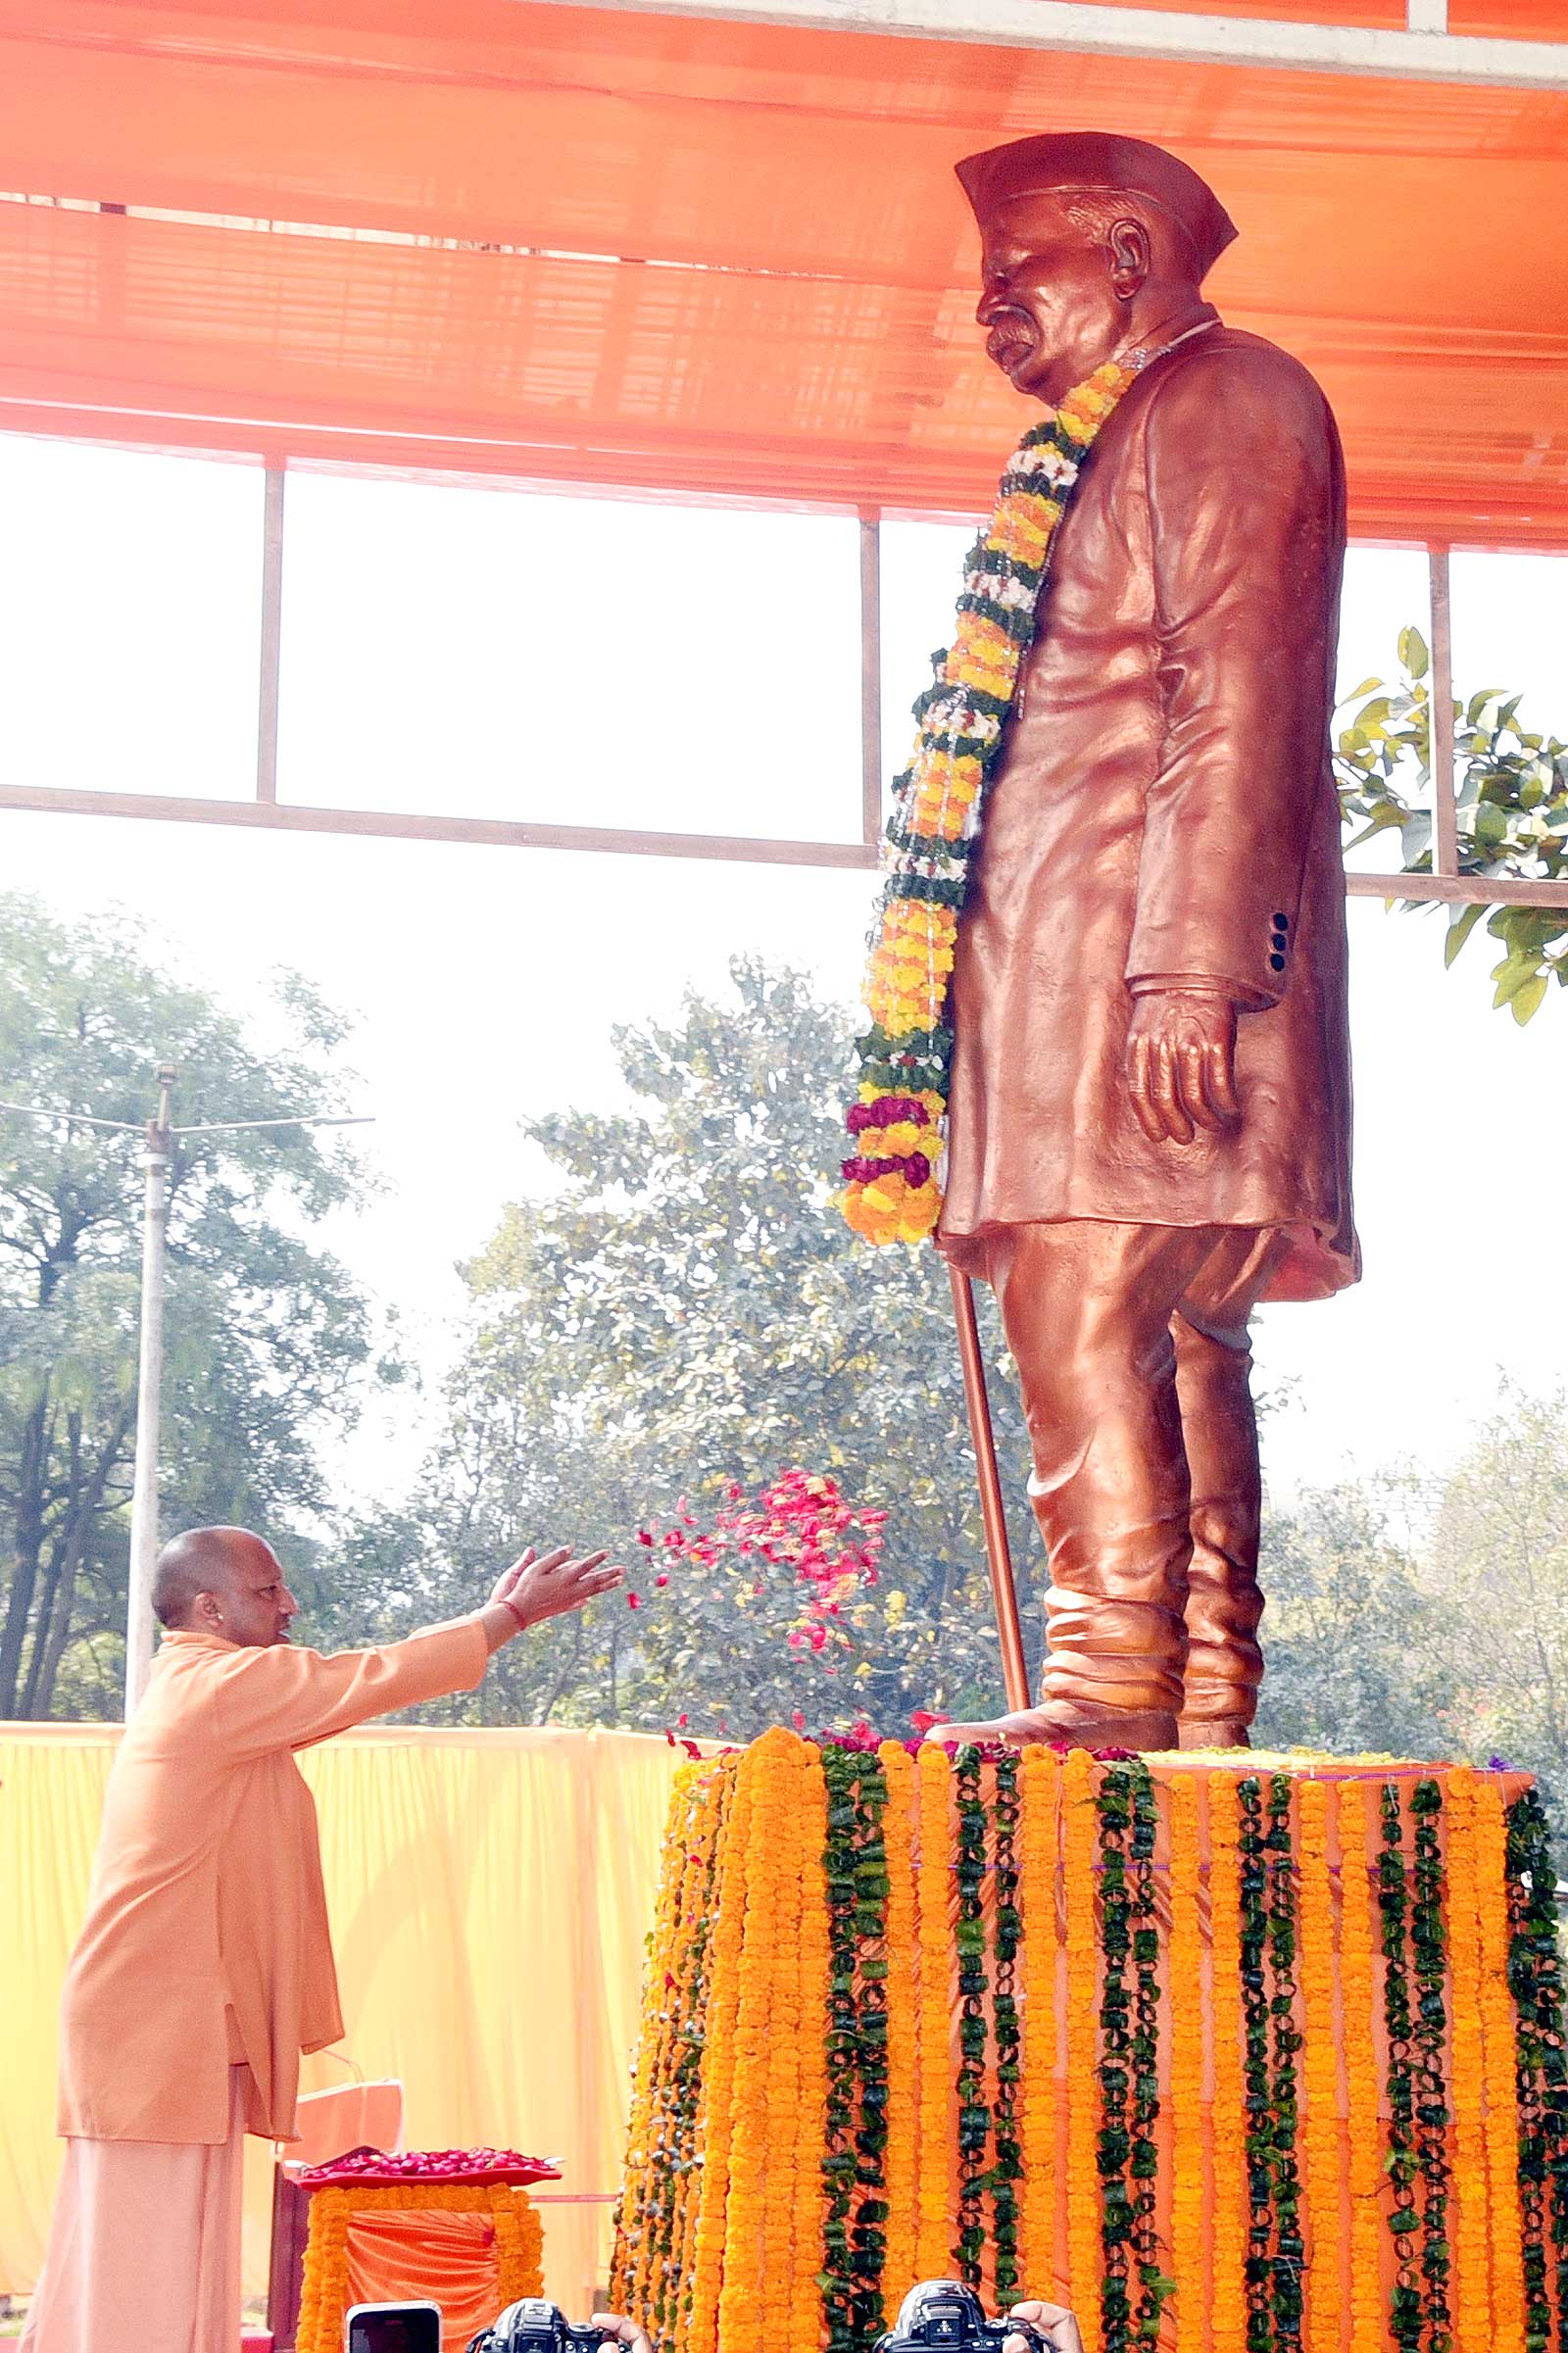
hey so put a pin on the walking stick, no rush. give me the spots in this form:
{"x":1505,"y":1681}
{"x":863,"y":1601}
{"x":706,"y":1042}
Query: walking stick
{"x":1003,"y":1592}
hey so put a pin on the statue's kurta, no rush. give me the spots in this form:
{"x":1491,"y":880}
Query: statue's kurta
{"x":1164,"y":806}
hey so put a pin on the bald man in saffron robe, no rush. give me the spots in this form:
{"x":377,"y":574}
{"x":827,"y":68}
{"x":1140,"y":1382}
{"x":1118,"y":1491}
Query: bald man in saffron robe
{"x":1150,"y":1101}
{"x":205,"y":1966}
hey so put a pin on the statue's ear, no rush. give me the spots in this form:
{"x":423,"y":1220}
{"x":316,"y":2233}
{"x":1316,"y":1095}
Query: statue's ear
{"x":1131,"y":257}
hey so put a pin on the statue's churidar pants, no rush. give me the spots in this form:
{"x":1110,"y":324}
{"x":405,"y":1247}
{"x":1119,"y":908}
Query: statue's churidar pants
{"x":1132,"y":1350}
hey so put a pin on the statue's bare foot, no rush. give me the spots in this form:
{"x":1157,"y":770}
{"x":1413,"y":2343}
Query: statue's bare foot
{"x":1059,"y":1725}
{"x":1214,"y":1732}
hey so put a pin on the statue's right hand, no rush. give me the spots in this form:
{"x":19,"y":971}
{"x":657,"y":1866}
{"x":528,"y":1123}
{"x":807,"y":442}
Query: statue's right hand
{"x":1181,"y":1063}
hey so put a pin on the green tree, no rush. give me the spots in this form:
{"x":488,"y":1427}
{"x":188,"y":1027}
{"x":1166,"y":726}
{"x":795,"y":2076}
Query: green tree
{"x":266,"y":1337}
{"x":1356,"y":1651}
{"x":1497,"y":1572}
{"x":683,"y":1311}
{"x":1512,"y":811}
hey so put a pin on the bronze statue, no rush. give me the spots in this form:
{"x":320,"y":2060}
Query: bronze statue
{"x":1150,"y":1097}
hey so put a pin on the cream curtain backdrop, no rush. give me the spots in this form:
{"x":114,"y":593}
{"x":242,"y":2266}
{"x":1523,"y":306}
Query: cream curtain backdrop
{"x":490,"y":1895}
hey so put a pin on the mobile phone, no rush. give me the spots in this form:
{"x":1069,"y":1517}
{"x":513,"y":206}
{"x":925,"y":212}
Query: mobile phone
{"x":393,"y":2329}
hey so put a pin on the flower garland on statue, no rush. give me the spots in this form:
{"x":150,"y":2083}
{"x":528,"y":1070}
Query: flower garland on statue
{"x":892,"y":1192}
{"x":1079,"y":1842}
{"x":1471,"y":2238}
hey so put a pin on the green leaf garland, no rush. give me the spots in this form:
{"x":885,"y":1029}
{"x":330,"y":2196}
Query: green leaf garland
{"x":1282,"y":1894}
{"x":1007,"y":2169}
{"x":1403,"y":2163}
{"x":1260,"y":2269}
{"x":969,"y":1937}
{"x":1429,"y":1945}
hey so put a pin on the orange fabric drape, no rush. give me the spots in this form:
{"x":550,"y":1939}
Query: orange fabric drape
{"x":730,"y":259}
{"x":448,"y":2258}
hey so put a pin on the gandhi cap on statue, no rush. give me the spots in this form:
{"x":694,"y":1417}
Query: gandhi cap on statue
{"x":1100,"y":162}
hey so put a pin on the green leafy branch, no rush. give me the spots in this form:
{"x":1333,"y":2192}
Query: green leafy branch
{"x":1513,"y":812}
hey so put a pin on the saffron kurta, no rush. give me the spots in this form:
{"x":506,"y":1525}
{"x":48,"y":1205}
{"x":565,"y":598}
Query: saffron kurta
{"x":206,"y":1941}
{"x":1164,"y":807}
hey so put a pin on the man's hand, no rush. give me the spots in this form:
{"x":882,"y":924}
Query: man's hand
{"x":1181,"y":1064}
{"x":552,"y":1584}
{"x":1053,"y":2322}
{"x":619,"y":2333}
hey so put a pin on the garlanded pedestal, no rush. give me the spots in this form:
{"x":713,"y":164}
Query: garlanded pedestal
{"x":457,"y":2226}
{"x":1257,"y":2053}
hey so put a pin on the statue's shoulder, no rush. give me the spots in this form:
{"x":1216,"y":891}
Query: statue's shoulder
{"x":1227,"y":375}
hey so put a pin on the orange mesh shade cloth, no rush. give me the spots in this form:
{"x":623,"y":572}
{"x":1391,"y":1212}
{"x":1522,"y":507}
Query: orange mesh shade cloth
{"x":717,"y":257}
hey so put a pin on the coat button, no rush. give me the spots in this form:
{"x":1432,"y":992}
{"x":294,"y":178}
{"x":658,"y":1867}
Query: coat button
{"x":1277,"y":963}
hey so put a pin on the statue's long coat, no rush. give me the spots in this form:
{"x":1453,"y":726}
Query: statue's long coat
{"x":1164,"y":805}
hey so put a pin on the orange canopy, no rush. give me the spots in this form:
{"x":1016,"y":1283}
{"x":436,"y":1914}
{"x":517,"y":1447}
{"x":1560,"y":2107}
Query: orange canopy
{"x":704,"y":257}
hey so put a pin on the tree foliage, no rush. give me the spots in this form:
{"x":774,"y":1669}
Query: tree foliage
{"x":265,"y":1335}
{"x":1512,"y":818}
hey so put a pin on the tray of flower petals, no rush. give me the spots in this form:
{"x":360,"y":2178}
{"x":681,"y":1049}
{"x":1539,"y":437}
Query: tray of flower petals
{"x":367,"y":2167}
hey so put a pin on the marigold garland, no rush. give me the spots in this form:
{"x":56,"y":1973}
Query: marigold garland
{"x":1501,"y":2063}
{"x":1471,"y":2234}
{"x":766,"y":1959}
{"x":896,"y":1125}
{"x":1189,"y":2151}
{"x":1079,"y":1840}
{"x":813,"y":1956}
{"x":325,"y":2294}
{"x":1041,"y":1787}
{"x":1357,"y":1995}
{"x":797,"y":2102}
{"x":934,"y":2229}
{"x":719,"y":2070}
{"x":1319,"y":2072}
{"x":904,"y":2038}
{"x":1231,"y":2175}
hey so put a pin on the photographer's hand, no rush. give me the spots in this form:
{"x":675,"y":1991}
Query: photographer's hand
{"x":619,"y":2333}
{"x":1053,"y":2322}
{"x":551,"y":1585}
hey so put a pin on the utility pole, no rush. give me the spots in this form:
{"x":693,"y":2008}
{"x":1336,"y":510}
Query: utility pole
{"x":149,"y":1393}
{"x":158,"y":1135}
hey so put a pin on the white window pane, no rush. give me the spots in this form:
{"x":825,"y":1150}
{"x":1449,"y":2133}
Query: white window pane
{"x":1510,"y":631}
{"x":491,"y":653}
{"x":130,"y":620}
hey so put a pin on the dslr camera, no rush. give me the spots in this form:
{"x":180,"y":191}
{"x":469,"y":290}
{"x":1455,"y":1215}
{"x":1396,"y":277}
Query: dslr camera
{"x":940,"y":2316}
{"x":533,"y":2324}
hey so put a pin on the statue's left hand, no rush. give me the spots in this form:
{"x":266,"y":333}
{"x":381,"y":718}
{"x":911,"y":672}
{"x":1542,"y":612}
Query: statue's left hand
{"x":1181,"y":1063}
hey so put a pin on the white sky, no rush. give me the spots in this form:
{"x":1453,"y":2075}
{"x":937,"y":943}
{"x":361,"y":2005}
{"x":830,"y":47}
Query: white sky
{"x":495,"y":654}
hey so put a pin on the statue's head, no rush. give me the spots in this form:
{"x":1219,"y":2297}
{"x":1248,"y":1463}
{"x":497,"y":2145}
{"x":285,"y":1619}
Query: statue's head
{"x":1087,"y":240}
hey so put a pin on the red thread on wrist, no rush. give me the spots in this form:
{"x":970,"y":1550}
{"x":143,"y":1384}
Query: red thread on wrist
{"x":507,"y":1602}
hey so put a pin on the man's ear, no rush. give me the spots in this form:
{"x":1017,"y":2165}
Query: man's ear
{"x":1131,"y":258}
{"x":206,"y":1610}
